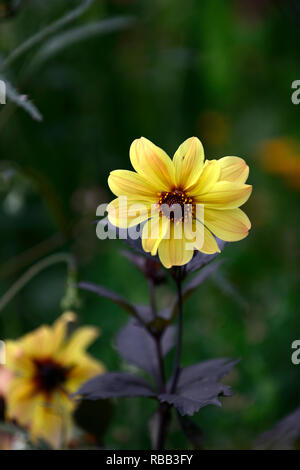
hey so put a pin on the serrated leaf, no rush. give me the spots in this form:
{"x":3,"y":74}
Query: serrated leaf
{"x":206,"y":370}
{"x":198,"y":386}
{"x":137,"y":346}
{"x":283,"y":435}
{"x":192,"y":397}
{"x":115,"y":385}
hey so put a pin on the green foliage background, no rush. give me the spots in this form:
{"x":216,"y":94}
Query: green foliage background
{"x":218,"y":70}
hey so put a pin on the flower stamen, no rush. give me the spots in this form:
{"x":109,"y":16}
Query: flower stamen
{"x":178,"y":200}
{"x":49,"y":374}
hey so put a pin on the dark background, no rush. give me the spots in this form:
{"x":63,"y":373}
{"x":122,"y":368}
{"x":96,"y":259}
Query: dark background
{"x":219,"y":70}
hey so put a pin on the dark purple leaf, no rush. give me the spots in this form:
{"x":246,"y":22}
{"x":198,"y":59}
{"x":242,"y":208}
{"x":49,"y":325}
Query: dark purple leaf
{"x":168,"y":339}
{"x":192,"y":397}
{"x":137,"y":346}
{"x":166,"y":314}
{"x":214,"y":369}
{"x":113,"y":385}
{"x":283,"y":435}
{"x":198,"y":386}
{"x":108,"y":294}
{"x":144,"y":313}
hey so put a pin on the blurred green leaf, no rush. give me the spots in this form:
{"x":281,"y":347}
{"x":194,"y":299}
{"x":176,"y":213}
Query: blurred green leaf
{"x":22,"y":101}
{"x":47,"y":31}
{"x":76,"y":35}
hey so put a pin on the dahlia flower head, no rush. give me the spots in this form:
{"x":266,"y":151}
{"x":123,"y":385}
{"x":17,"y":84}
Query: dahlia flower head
{"x":182,"y":203}
{"x":47,"y":365}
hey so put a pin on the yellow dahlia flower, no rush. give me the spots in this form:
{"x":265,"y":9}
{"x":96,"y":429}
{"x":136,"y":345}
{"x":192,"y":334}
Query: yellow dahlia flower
{"x":48,"y":365}
{"x":218,"y":186}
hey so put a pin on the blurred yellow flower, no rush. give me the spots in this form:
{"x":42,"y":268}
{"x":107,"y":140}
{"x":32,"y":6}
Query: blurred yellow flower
{"x":188,"y":182}
{"x":281,"y":156}
{"x":48,"y":365}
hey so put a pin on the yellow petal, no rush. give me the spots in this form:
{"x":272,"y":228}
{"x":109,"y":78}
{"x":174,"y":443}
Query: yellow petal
{"x":129,"y":183}
{"x":78,"y":342}
{"x":85,"y":369}
{"x":225,"y":195}
{"x":202,"y":239}
{"x":175,"y":252}
{"x":20,"y":390}
{"x":38,"y":343}
{"x":16,"y":360}
{"x":233,"y":169}
{"x":229,"y":225}
{"x":124,"y":213}
{"x":152,"y":163}
{"x":209,"y":245}
{"x":208,"y":178}
{"x":59,"y":331}
{"x":21,"y":406}
{"x":188,"y":162}
{"x":50,"y":423}
{"x":153,"y":231}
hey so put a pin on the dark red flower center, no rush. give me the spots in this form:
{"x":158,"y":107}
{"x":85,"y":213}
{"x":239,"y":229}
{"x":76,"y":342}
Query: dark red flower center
{"x":176,"y":204}
{"x":49,"y":374}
